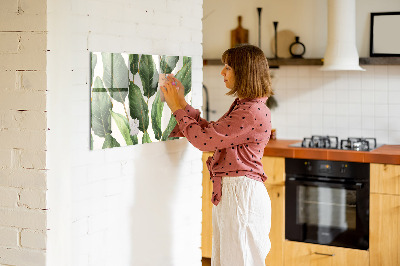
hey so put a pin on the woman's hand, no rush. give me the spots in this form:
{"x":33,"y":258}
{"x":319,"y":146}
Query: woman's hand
{"x":181,"y":91}
{"x":173,"y":94}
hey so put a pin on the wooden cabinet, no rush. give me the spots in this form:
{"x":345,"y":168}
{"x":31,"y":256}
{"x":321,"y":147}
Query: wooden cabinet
{"x":385,"y":215}
{"x":206,"y":226}
{"x":384,"y":222}
{"x":274,"y":168}
{"x":384,"y":230}
{"x":304,"y":254}
{"x":277,"y":233}
{"x":385,"y":178}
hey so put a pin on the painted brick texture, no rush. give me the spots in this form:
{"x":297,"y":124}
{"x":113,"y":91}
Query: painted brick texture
{"x":136,"y":205}
{"x":23,"y":126}
{"x":104,"y":194}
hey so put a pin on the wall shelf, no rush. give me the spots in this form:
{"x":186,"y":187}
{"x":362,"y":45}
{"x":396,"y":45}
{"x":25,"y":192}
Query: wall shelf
{"x":380,"y":61}
{"x":274,"y":63}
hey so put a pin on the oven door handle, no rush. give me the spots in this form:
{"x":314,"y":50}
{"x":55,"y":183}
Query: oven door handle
{"x":357,"y":185}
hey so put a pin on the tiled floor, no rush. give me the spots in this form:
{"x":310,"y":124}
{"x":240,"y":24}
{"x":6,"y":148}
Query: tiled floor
{"x":206,"y":261}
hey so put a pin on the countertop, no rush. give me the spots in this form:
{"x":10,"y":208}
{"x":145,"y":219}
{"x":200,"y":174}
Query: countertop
{"x":389,"y":154}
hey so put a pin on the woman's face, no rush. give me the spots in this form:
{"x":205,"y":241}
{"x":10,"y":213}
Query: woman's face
{"x":229,"y":76}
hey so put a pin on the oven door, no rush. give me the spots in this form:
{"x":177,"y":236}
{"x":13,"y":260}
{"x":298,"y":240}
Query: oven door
{"x":327,"y":213}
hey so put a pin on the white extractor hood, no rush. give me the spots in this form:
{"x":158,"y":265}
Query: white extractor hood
{"x":341,"y":51}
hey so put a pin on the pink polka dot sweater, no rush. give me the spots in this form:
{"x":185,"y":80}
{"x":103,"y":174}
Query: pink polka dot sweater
{"x":238,"y":139}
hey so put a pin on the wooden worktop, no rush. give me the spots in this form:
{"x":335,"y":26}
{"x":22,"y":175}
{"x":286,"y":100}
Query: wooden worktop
{"x":389,"y":154}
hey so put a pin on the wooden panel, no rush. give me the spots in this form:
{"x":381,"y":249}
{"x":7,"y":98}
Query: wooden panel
{"x":206,"y":232}
{"x":277,"y":233}
{"x":385,"y":178}
{"x":274,"y":168}
{"x":384,"y":230}
{"x":304,"y":254}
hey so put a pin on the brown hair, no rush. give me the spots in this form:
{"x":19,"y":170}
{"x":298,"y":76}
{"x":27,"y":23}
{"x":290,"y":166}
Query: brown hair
{"x":250,"y":66}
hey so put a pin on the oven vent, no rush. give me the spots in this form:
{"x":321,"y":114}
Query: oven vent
{"x":341,"y":51}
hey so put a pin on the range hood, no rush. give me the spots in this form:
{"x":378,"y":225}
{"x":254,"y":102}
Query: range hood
{"x":341,"y":51}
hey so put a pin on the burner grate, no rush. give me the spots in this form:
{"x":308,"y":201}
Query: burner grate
{"x":358,"y":144}
{"x":332,"y":142}
{"x":327,"y":142}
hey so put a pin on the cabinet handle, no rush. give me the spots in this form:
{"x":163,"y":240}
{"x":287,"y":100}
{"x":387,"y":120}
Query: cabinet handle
{"x":324,"y":254}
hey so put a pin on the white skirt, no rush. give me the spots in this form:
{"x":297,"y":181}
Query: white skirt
{"x":241,"y":223}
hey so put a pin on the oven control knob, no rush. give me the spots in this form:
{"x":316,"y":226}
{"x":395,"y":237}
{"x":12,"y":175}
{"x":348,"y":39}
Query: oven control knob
{"x":308,"y":166}
{"x":343,"y":168}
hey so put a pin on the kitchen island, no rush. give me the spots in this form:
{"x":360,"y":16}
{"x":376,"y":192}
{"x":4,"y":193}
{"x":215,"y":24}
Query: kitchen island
{"x":384,"y":207}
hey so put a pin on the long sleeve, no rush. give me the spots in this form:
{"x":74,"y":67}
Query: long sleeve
{"x":193,"y":113}
{"x":238,"y":139}
{"x":230,"y":131}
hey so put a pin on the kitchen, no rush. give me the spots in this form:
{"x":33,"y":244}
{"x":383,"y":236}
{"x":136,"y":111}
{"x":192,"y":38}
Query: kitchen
{"x":313,"y":104}
{"x":112,"y":206}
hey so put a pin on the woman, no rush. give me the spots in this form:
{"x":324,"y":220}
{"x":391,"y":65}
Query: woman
{"x":242,"y":208}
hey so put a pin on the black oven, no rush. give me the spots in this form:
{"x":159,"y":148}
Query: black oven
{"x":327,"y":202}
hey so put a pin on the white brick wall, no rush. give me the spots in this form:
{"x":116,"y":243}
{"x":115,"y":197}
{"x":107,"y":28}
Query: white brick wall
{"x":23,"y":128}
{"x":137,"y":205}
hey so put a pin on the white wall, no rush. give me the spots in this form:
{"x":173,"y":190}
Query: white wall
{"x":136,"y":205}
{"x":311,"y":102}
{"x":345,"y":103}
{"x":23,"y":133}
{"x":306,"y":19}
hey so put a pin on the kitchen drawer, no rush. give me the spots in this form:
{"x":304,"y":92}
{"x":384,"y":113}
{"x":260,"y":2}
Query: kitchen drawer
{"x":305,"y":254}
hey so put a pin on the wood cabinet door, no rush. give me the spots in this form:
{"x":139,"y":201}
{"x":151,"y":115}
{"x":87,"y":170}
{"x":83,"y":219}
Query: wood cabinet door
{"x":385,"y":178}
{"x":384,"y":236}
{"x":206,"y":226}
{"x":304,"y":254}
{"x":274,"y":168}
{"x":277,"y":233}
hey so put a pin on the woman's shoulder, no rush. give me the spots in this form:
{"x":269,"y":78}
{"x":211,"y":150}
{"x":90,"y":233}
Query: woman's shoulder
{"x":255,"y":105}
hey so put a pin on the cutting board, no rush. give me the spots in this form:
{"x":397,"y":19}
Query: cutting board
{"x":239,"y":35}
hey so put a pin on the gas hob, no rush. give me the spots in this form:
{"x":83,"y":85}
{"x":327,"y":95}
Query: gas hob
{"x":332,"y":142}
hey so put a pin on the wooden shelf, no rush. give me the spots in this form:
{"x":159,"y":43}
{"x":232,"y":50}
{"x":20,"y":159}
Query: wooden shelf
{"x":380,"y":61}
{"x":294,"y":62}
{"x":274,"y":63}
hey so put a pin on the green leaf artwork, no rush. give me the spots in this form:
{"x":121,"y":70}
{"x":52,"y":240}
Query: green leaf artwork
{"x":134,"y":63}
{"x":126,"y":107}
{"x":115,"y":76}
{"x":91,"y":141}
{"x":138,"y":107}
{"x":93,"y":61}
{"x":123,"y":126}
{"x":110,"y":142}
{"x":185,"y":74}
{"x":100,"y":110}
{"x":170,"y":127}
{"x":156,"y":113}
{"x":168,"y":63}
{"x":146,"y":138}
{"x":149,"y":75}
